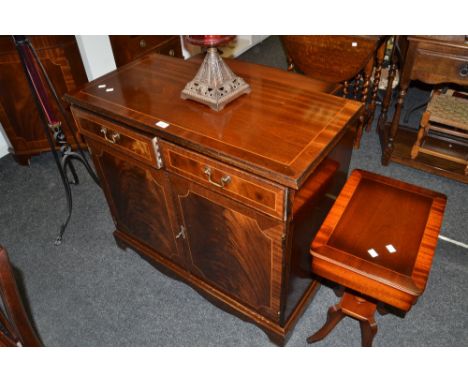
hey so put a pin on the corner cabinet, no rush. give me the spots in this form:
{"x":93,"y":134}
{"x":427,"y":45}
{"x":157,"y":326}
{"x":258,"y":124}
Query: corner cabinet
{"x":18,"y":112}
{"x":233,"y":224}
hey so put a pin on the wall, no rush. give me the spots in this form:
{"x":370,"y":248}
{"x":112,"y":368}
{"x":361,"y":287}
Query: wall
{"x":96,"y":52}
{"x":3,"y":142}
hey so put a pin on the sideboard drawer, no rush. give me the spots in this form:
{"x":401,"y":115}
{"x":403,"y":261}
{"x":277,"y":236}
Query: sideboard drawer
{"x":439,"y":67}
{"x":229,"y":181}
{"x":136,"y":45}
{"x":134,"y":144}
{"x":129,"y":48}
{"x":171,"y":47}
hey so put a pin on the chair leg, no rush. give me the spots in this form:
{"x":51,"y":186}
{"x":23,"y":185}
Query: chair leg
{"x":359,"y":130}
{"x":379,"y":58}
{"x":366,"y":115}
{"x":422,"y":132}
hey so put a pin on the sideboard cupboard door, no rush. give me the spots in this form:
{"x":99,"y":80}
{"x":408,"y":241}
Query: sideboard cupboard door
{"x":231,"y":246}
{"x":138,"y":198}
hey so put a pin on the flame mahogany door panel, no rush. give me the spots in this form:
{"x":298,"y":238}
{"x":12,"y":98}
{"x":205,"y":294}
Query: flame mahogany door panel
{"x":138,"y":198}
{"x":231,"y":246}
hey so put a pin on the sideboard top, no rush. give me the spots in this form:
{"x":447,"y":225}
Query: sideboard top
{"x":280,"y":131}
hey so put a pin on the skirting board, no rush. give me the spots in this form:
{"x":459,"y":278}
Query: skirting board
{"x":3,"y":149}
{"x":3,"y":143}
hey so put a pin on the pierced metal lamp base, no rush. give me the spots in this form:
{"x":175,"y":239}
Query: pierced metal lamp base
{"x":215,"y":84}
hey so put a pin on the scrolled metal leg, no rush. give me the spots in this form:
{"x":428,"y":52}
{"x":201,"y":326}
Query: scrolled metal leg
{"x":62,"y":167}
{"x":36,"y":75}
{"x":75,"y":180}
{"x":75,"y":156}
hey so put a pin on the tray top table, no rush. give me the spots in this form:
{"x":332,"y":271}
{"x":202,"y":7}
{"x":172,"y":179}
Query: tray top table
{"x":378,"y":241}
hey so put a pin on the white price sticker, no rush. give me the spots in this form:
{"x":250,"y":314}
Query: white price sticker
{"x":162,"y":124}
{"x":390,"y":248}
{"x":372,"y":252}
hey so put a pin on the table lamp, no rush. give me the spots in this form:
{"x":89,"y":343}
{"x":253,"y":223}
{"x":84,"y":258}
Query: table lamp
{"x":214,"y":84}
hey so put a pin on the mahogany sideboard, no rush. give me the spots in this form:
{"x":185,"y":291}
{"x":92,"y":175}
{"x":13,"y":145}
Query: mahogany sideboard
{"x":226,"y":201}
{"x":18,"y":113}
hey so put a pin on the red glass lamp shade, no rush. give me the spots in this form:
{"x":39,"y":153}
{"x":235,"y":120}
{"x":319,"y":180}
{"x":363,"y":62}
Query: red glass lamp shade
{"x":208,"y":40}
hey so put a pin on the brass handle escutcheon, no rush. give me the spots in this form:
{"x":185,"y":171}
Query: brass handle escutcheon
{"x":172,"y":53}
{"x":463,"y":70}
{"x":142,"y":43}
{"x":113,"y":138}
{"x":181,"y":233}
{"x":225,"y":179}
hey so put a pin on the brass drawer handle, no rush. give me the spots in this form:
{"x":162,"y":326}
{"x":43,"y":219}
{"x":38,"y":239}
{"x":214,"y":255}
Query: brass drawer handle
{"x":172,"y":53}
{"x":114,"y":138}
{"x":142,"y":43}
{"x":463,"y":70}
{"x":225,"y":179}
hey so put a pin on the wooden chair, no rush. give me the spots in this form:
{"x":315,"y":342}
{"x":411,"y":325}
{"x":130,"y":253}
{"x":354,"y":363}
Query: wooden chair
{"x":378,"y":242}
{"x":446,"y":113}
{"x":348,"y":60}
{"x":15,"y":327}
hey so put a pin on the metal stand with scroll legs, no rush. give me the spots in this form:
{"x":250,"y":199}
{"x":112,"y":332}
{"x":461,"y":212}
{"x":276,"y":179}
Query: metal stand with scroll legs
{"x":36,"y":75}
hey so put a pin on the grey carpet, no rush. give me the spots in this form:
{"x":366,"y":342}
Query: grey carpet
{"x":88,"y":292}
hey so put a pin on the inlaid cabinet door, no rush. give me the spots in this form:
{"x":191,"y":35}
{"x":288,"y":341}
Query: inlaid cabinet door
{"x":231,"y":246}
{"x":138,"y":198}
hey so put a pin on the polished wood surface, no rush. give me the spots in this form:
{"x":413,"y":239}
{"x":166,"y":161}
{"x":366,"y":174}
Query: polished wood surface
{"x":267,"y":72}
{"x":216,"y":207}
{"x":354,"y":245}
{"x":433,"y":61}
{"x":15,"y":327}
{"x":256,"y":192}
{"x":330,"y":58}
{"x":292,"y":126}
{"x":129,"y":48}
{"x":18,"y":113}
{"x":231,"y":246}
{"x":347,"y":60}
{"x":310,"y":206}
{"x":130,"y":143}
